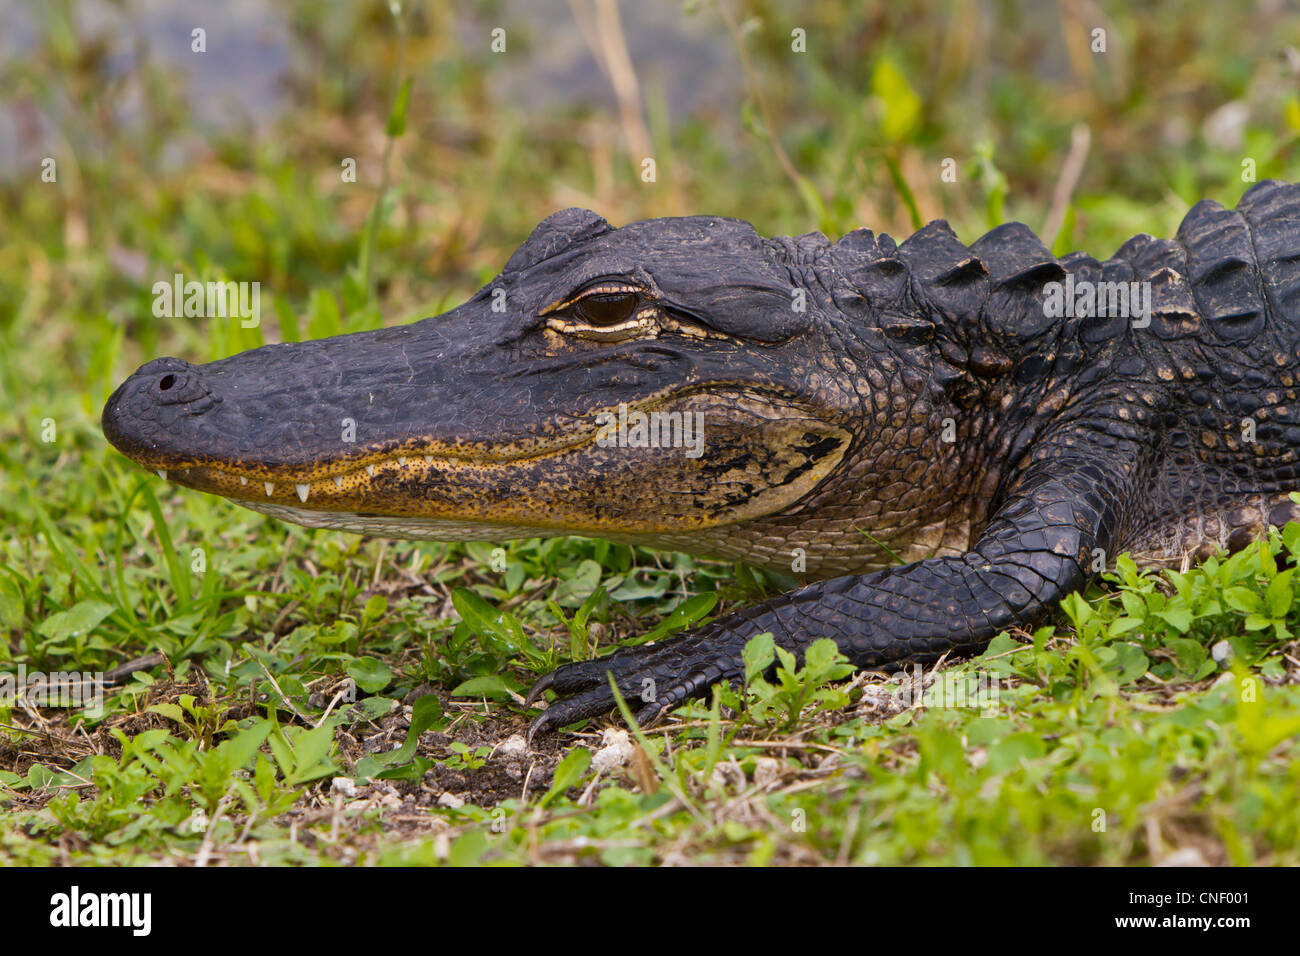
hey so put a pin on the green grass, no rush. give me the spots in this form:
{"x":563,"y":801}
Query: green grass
{"x":1157,"y":718}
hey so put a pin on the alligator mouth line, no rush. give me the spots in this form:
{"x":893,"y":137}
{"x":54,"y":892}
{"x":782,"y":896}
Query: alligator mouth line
{"x":328,"y":489}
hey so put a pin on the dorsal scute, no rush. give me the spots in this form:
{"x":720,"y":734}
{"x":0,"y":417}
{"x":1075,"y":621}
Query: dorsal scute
{"x":1221,"y":271}
{"x":932,"y":250}
{"x":1147,"y":254}
{"x":860,"y":242}
{"x":1021,"y":269}
{"x":1016,"y":257}
{"x":946,"y":275}
{"x":867,"y":268}
{"x":1163,"y":264}
{"x":1094,"y":331}
{"x":1271,"y":209}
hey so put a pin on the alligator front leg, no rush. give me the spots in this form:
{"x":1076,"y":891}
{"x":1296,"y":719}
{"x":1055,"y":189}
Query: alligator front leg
{"x":1036,"y":550}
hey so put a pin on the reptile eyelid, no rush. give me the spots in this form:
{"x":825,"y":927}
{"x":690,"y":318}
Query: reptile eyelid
{"x":598,"y":287}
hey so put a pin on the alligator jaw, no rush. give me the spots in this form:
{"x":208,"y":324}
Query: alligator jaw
{"x":758,"y":453}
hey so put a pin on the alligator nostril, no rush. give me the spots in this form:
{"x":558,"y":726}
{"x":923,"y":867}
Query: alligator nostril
{"x":167,"y":382}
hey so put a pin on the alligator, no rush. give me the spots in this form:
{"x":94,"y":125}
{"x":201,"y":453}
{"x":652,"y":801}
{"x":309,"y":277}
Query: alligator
{"x":938,"y":441}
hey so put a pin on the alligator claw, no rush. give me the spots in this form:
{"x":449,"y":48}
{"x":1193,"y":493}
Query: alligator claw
{"x":660,"y":677}
{"x":539,"y":689}
{"x":589,"y":703}
{"x":650,"y":714}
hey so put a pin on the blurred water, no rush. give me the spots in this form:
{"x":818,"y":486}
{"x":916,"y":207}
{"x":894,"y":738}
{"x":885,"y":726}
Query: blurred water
{"x":689,"y":56}
{"x":238,"y":83}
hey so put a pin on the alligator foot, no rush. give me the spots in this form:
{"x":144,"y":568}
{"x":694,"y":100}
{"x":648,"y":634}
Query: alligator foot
{"x":653,"y":677}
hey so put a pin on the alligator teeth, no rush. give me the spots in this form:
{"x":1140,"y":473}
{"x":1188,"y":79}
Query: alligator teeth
{"x":338,"y":480}
{"x":269,"y":488}
{"x":302,"y":492}
{"x":370,"y":470}
{"x":243,"y":480}
{"x":162,"y":473}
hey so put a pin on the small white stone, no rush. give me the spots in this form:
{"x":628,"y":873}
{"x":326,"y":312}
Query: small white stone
{"x":615,"y":751}
{"x":345,"y":786}
{"x":450,"y":801}
{"x":513,"y":747}
{"x":1221,"y":652}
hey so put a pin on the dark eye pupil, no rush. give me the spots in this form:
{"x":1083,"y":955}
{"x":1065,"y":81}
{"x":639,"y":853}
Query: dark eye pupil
{"x":606,"y":308}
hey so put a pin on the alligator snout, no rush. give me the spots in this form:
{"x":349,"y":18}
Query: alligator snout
{"x":149,"y":405}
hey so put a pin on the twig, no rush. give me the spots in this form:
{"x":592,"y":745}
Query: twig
{"x":609,"y":46}
{"x":1071,"y":170}
{"x":283,"y":696}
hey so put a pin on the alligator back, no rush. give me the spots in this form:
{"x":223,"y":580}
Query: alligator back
{"x":1190,"y":344}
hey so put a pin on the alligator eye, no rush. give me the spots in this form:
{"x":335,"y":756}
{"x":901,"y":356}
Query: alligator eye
{"x":603,"y":309}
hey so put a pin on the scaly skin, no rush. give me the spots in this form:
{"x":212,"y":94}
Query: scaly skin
{"x":859,"y":400}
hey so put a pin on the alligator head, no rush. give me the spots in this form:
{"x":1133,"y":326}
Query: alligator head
{"x":654,"y":383}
